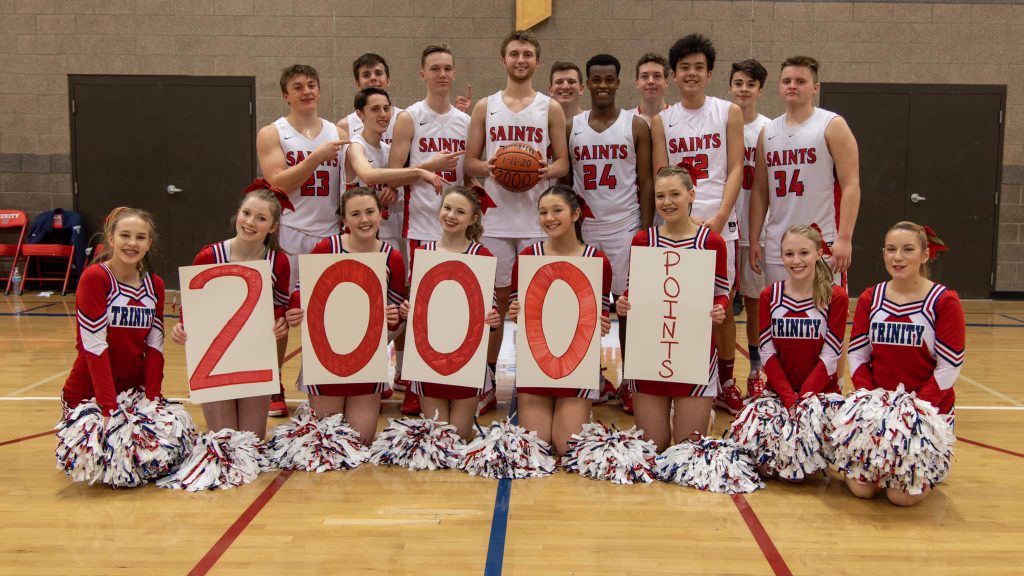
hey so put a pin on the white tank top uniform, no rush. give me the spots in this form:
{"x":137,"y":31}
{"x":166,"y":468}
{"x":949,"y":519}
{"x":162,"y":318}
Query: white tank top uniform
{"x":391,"y":222}
{"x":699,"y":137}
{"x":802,"y":185}
{"x":516,"y":212}
{"x":432,"y":133}
{"x":318,"y":199}
{"x":750,"y":133}
{"x":604,"y":172}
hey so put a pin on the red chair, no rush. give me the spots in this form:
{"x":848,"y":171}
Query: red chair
{"x":64,"y":251}
{"x":12,"y":219}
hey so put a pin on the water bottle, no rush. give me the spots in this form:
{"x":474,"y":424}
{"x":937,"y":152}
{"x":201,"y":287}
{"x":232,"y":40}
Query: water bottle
{"x":16,"y":280}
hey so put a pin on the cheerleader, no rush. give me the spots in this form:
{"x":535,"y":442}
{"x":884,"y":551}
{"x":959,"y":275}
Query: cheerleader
{"x":803,"y":321}
{"x":910,"y":331}
{"x":460,"y":219}
{"x":360,"y":403}
{"x":257,"y":224}
{"x":670,"y":412}
{"x":120,"y":309}
{"x":555,"y":414}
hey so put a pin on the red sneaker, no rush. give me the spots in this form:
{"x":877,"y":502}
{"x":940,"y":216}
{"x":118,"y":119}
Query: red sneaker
{"x":755,"y":384}
{"x":626,"y":397}
{"x":400,"y":384}
{"x":730,"y":399}
{"x":487,"y":403}
{"x":411,"y":404}
{"x":387,"y":393}
{"x":278,"y":407}
{"x":607,"y":392}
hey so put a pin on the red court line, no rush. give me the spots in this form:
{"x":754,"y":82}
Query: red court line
{"x":990,"y":447}
{"x":23,"y":438}
{"x":235,"y":530}
{"x":292,"y":354}
{"x":742,"y":351}
{"x":771,"y":553}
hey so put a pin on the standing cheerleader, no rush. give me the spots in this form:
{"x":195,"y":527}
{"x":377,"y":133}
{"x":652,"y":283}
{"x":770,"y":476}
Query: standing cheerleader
{"x":460,"y":219}
{"x":803,"y":321}
{"x":257,"y":224}
{"x":672,"y":412}
{"x":555,"y":414}
{"x":908,"y":331}
{"x":360,"y":403}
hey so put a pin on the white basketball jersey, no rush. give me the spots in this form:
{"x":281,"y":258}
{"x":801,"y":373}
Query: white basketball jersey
{"x":516,"y":212}
{"x":317,"y":200}
{"x":355,"y":125}
{"x":432,"y":133}
{"x":698,"y":137}
{"x":391,"y":224}
{"x":604,"y":168}
{"x":802,"y":186}
{"x":750,"y":133}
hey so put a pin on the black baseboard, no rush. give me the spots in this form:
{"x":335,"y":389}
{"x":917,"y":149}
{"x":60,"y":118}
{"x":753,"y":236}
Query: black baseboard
{"x":1008,"y":295}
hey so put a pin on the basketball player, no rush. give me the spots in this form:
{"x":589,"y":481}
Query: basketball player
{"x":651,"y":82}
{"x":298,"y":153}
{"x":610,"y":154}
{"x":516,"y":114}
{"x":430,"y":134}
{"x":566,"y":87}
{"x":706,"y":134}
{"x":808,"y":172}
{"x":746,"y":85}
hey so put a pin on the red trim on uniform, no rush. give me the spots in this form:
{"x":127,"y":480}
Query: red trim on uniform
{"x":23,"y":438}
{"x":235,"y":530}
{"x":980,"y":444}
{"x":771,"y":553}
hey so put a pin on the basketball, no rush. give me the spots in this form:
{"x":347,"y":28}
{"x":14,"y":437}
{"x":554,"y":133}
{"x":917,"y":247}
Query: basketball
{"x":516,"y":167}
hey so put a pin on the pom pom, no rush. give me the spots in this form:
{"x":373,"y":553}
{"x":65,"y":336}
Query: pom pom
{"x":417,"y":444}
{"x":505,"y":450}
{"x":709,"y":464}
{"x":758,"y":428}
{"x":221,"y":460}
{"x":302,"y":412}
{"x":313,"y":444}
{"x":604,"y":453}
{"x":894,"y":438}
{"x":80,"y":443}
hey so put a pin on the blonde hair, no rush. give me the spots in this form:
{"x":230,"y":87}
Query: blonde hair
{"x":272,"y":241}
{"x":823,"y":275}
{"x":475,"y":230}
{"x":110,"y":226}
{"x":922,"y":239}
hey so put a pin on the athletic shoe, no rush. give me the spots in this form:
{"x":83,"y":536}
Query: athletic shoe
{"x":608,"y":391}
{"x":278,"y":407}
{"x":387,"y":394}
{"x":627,"y":398}
{"x":400,"y":384}
{"x":730,"y":399}
{"x":411,"y":404}
{"x":755,"y":384}
{"x":487,"y":403}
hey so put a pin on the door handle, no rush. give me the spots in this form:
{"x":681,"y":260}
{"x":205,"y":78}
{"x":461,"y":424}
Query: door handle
{"x":915,"y":198}
{"x":172,"y":190}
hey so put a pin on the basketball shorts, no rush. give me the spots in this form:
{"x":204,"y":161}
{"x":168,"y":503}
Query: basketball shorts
{"x":506,"y":250}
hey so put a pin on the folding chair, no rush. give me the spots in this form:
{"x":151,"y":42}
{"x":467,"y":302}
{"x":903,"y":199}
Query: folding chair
{"x":12,"y":219}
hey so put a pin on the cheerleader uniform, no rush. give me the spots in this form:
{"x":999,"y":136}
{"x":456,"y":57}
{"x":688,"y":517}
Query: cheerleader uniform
{"x":446,"y":391}
{"x":800,"y":344}
{"x":919,"y":344}
{"x":704,"y":239}
{"x":280,"y":271}
{"x":395,"y":284}
{"x":120,"y":338}
{"x":606,"y":303}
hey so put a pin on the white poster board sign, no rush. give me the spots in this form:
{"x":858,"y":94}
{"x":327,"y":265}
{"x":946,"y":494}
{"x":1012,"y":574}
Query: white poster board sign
{"x":668,"y":336}
{"x":344,"y":330}
{"x":231,"y":351}
{"x":558,"y":341}
{"x":446,"y":338}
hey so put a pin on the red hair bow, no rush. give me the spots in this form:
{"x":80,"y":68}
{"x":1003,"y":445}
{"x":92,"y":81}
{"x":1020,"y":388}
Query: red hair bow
{"x":486,"y":202}
{"x":690,"y":169}
{"x":282,"y":196}
{"x":825,"y":248}
{"x":935,"y":244}
{"x":585,"y":211}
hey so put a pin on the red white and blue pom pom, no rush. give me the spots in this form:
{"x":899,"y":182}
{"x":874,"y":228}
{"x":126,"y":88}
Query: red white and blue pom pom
{"x":144,"y":439}
{"x":803,"y":447}
{"x":316,"y":445}
{"x":622,"y":456}
{"x":222,"y":459}
{"x":759,"y":427}
{"x":302,"y":411}
{"x":709,"y":464}
{"x":505,"y":450}
{"x":417,"y":444}
{"x":892,"y":437}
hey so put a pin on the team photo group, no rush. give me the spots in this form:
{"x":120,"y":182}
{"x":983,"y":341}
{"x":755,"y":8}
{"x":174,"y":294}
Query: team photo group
{"x":392,"y":228}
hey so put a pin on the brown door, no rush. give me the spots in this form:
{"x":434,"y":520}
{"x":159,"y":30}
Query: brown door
{"x":181,"y":147}
{"x":931,"y":154}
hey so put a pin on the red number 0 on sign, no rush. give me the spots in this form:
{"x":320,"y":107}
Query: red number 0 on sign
{"x":451,"y":362}
{"x":533,"y":310}
{"x":363,"y":276}
{"x":201,"y":378}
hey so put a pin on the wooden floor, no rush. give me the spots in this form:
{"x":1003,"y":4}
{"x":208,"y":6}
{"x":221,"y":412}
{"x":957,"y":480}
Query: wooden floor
{"x":378,"y":521}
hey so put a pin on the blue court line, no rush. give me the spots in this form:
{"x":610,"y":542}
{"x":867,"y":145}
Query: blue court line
{"x":499,"y":521}
{"x":1012,"y":318}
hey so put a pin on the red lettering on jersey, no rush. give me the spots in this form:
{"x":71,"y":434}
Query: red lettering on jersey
{"x":516,"y":134}
{"x":694,"y":143}
{"x":441,"y":145}
{"x":601,"y":152}
{"x":791,"y":157}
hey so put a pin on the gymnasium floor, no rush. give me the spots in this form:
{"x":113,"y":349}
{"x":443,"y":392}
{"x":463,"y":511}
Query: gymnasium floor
{"x":377,"y":521}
